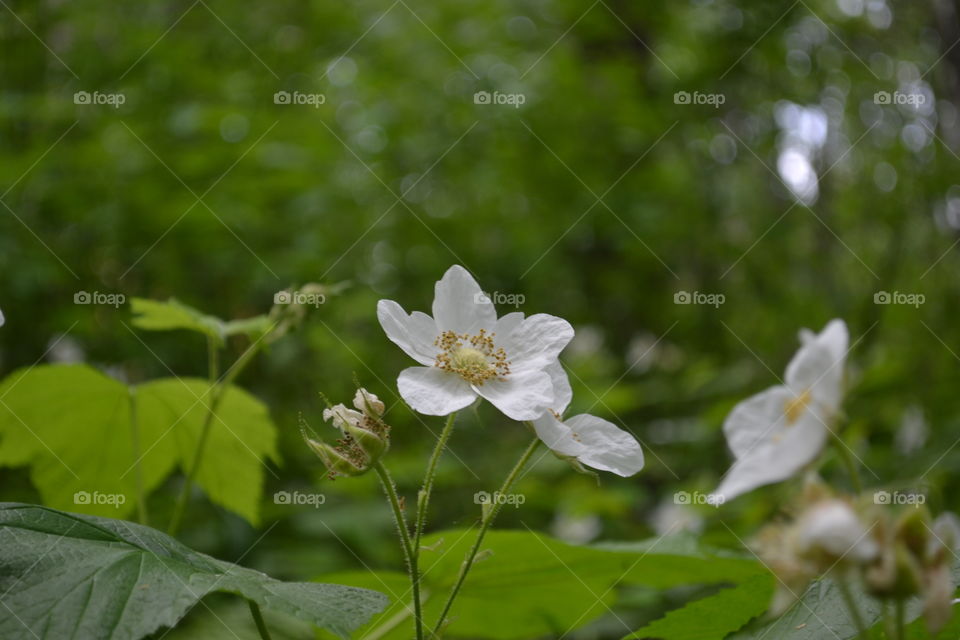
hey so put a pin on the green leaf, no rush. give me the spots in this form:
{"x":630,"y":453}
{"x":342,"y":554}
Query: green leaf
{"x":530,"y":585}
{"x":716,"y":616}
{"x":241,"y":442}
{"x":72,"y":426}
{"x":155,"y":315}
{"x":67,"y":575}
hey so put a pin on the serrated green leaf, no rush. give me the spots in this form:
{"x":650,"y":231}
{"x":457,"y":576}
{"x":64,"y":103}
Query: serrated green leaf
{"x":72,"y":426}
{"x":73,"y":576}
{"x":713,"y":617}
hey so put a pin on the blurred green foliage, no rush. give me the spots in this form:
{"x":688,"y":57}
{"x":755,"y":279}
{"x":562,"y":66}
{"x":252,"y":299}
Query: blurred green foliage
{"x":598,"y":200}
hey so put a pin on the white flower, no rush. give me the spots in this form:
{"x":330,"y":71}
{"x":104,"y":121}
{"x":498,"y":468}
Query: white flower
{"x":778,"y":431}
{"x":591,"y":440}
{"x":468,"y":352}
{"x":2,"y":319}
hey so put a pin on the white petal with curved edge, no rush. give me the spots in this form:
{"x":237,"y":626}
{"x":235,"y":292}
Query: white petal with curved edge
{"x":433,"y":391}
{"x":414,"y":333}
{"x":562,"y":393}
{"x":460,"y":306}
{"x":522,"y":396}
{"x":2,"y":319}
{"x":757,"y":418}
{"x":775,"y":459}
{"x":818,"y":364}
{"x":536,"y":342}
{"x":607,"y":446}
{"x":556,"y":435}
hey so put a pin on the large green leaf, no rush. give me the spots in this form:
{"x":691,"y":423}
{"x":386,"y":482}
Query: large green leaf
{"x":529,"y":585}
{"x":716,"y":616}
{"x":73,"y":576}
{"x":73,"y":426}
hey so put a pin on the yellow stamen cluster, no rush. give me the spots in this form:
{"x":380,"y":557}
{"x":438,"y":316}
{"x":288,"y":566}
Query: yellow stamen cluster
{"x":795,"y":407}
{"x":475,"y":358}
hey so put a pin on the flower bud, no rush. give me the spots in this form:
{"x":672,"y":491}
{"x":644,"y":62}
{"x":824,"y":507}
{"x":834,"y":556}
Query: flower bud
{"x":369,"y":404}
{"x":337,"y":460}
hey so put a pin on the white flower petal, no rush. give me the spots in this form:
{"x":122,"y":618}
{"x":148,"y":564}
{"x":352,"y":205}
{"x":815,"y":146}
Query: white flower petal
{"x":756,"y":419}
{"x":607,"y":446}
{"x":556,"y":435}
{"x":414,"y":333}
{"x":522,"y":396}
{"x":562,"y":393}
{"x":460,"y":306}
{"x":776,"y":458}
{"x":536,"y":342}
{"x":833,"y":526}
{"x":818,"y":365}
{"x":506,"y":324}
{"x":433,"y":391}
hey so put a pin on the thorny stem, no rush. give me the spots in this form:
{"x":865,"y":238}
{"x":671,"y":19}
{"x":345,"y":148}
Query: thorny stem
{"x":408,"y":550}
{"x":490,"y":512}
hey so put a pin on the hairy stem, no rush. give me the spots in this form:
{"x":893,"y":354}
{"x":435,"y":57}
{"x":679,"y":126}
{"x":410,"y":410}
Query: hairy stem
{"x":423,"y":498}
{"x":405,"y":543}
{"x":490,"y":512}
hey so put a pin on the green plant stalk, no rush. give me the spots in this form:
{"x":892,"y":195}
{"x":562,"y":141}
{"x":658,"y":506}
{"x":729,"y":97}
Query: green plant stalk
{"x":219,"y":390}
{"x":485,"y":521}
{"x":852,"y":607}
{"x":849,"y":463}
{"x":258,"y":619}
{"x":898,"y":612}
{"x":423,"y":498}
{"x":137,"y":471}
{"x":408,"y":551}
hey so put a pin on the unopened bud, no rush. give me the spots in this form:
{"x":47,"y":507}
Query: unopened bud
{"x":369,"y":404}
{"x":337,"y":461}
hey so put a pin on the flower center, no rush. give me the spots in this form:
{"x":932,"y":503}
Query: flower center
{"x":795,"y":407}
{"x":475,"y":358}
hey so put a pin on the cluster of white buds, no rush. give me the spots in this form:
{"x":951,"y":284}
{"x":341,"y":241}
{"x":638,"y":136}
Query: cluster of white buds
{"x":894,"y":551}
{"x":365,"y":436}
{"x":916,"y":554}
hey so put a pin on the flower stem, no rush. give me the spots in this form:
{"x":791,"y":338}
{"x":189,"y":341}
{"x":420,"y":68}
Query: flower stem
{"x":423,"y":498}
{"x":898,"y":614}
{"x":849,"y":463}
{"x":848,"y":600}
{"x":219,"y":389}
{"x":405,"y":543}
{"x":258,"y":619}
{"x":489,"y":514}
{"x":138,"y":472}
